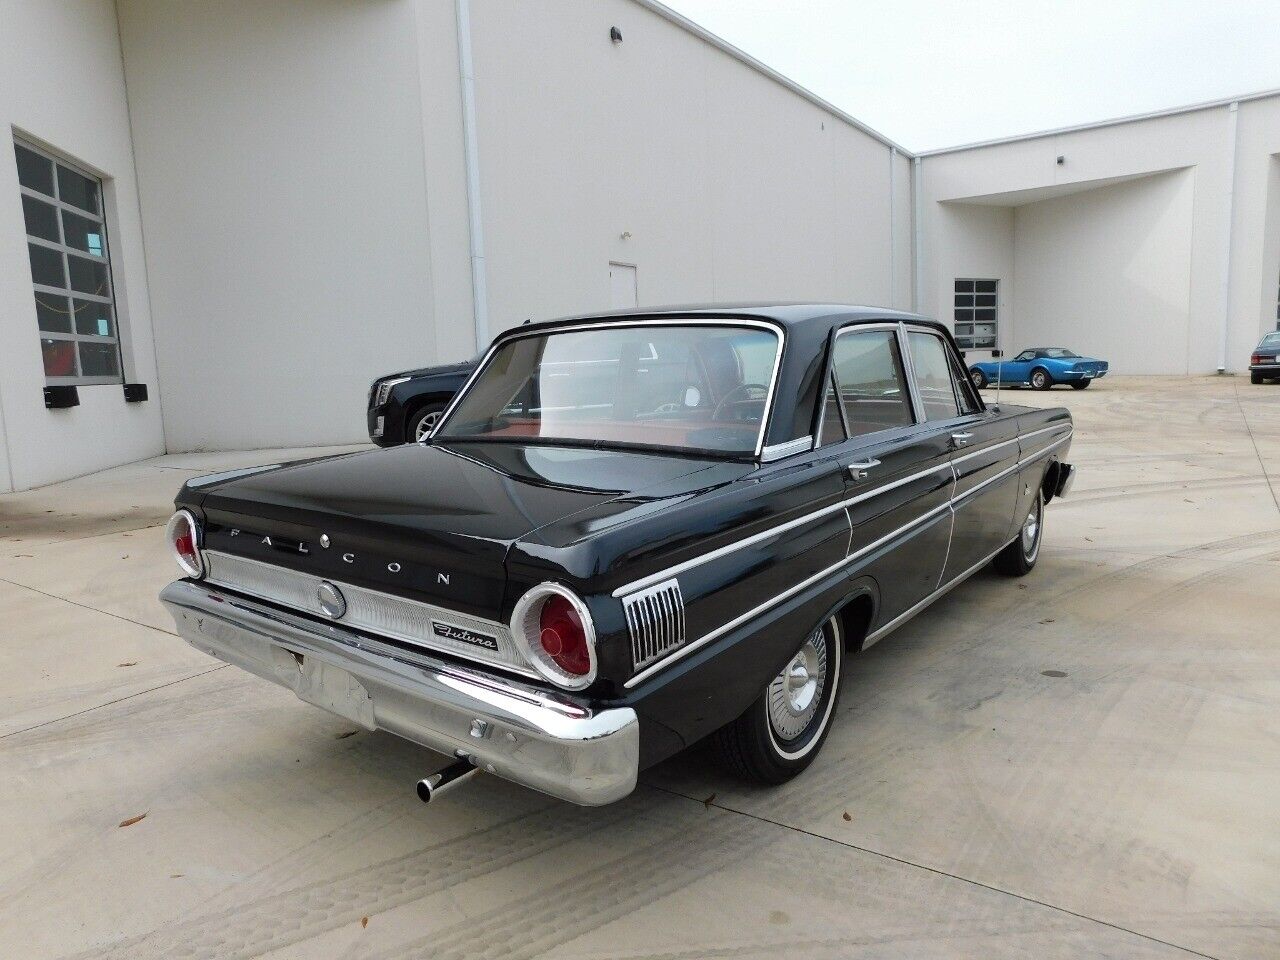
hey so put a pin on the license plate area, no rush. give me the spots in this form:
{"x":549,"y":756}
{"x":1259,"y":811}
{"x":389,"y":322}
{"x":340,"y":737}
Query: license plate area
{"x":326,"y":686}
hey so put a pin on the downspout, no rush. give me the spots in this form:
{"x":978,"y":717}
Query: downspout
{"x":1233,"y":125}
{"x":917,"y":230}
{"x":471,"y":152}
{"x":893,"y":227}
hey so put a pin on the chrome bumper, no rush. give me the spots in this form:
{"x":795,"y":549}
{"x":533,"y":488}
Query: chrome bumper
{"x":1066,"y":478}
{"x":507,"y":728}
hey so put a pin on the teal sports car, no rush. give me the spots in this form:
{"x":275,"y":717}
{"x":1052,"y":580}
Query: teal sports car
{"x":1040,"y":368}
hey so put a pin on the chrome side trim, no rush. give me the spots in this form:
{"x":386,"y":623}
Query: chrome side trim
{"x":978,"y":453}
{"x":790,"y":448}
{"x":1056,"y":426}
{"x":950,"y":505}
{"x":737,"y":545}
{"x":372,"y":611}
{"x":721,"y":630}
{"x":937,"y":594}
{"x":518,"y":333}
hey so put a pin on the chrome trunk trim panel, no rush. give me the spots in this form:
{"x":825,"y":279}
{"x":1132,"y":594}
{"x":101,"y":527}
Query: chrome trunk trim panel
{"x":382,"y":614}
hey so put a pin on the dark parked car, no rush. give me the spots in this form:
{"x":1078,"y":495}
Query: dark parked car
{"x":627,"y":533}
{"x":1040,"y":368}
{"x":1265,"y":362}
{"x":405,"y":407}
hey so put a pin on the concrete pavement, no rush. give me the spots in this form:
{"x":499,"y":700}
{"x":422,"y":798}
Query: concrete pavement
{"x":1082,"y":763}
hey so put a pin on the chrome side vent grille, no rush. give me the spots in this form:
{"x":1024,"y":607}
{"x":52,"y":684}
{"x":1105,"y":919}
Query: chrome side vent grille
{"x":655,"y":617}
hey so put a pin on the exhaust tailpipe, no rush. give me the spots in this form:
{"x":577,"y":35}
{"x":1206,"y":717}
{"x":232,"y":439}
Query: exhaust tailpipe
{"x":442,"y":781}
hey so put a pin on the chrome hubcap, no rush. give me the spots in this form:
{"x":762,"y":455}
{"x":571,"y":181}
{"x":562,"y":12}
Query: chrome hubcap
{"x":425,"y":426}
{"x":1031,"y":530}
{"x":795,"y":693}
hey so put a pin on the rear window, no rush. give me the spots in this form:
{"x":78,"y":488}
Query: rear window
{"x":689,"y":387}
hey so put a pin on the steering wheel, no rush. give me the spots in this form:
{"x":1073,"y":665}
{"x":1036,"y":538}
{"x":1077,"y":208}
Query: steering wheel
{"x":728,"y":401}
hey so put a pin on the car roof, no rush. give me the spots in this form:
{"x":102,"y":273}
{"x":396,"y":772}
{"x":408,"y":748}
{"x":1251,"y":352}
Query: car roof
{"x":806,"y":327}
{"x":790,"y":315}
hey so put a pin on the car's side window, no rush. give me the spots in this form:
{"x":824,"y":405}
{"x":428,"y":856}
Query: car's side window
{"x":832,"y":416}
{"x":933,"y":376}
{"x":869,"y":386}
{"x":963,"y":387}
{"x":1024,"y":356}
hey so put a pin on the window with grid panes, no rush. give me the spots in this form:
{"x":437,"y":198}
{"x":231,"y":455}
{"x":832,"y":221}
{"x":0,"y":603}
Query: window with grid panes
{"x":976,"y":323}
{"x":70,"y":269}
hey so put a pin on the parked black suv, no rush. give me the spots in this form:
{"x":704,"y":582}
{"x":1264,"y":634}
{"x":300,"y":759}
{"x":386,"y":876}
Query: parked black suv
{"x":404,"y":407}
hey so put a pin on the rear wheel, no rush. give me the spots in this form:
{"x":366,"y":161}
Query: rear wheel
{"x":1019,"y":557}
{"x":422,"y":422}
{"x":1040,"y":379}
{"x":783,"y":730}
{"x":1080,"y":384}
{"x":978,"y":377}
{"x":1255,"y":377}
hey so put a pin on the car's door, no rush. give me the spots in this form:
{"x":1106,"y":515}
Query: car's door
{"x":984,"y":452}
{"x":1017,"y":370}
{"x":896,"y":469}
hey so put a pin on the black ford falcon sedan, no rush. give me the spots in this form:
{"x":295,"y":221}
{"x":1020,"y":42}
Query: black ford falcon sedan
{"x":626,"y":533}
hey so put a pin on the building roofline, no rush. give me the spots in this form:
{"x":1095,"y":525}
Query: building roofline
{"x":705,"y":35}
{"x":1114,"y":121}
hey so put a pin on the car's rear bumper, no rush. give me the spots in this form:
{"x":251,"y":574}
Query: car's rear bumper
{"x":1082,"y":375}
{"x":1271,"y":369}
{"x":559,"y":746}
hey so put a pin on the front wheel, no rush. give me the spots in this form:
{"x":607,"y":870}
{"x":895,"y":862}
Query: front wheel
{"x":422,"y":422}
{"x":783,"y":730}
{"x":1080,"y":384}
{"x":1019,"y":557}
{"x":1040,"y":379}
{"x":978,"y":377}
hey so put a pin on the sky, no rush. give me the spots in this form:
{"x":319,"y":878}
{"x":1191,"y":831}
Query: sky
{"x":929,"y":74}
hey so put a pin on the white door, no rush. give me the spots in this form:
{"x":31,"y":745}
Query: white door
{"x":622,"y":286}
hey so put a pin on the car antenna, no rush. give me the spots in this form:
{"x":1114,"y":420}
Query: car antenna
{"x":998,"y":355}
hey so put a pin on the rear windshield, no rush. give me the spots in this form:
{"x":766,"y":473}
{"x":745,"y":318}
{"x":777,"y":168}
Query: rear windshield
{"x":695,"y":387}
{"x":1270,"y":340}
{"x":1059,"y":353}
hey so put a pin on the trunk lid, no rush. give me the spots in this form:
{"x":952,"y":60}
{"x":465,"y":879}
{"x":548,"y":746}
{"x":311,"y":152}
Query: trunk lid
{"x":428,"y":522}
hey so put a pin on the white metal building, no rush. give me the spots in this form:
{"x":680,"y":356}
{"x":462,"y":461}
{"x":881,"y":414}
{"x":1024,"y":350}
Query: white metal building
{"x":1152,"y":242}
{"x":255,"y":208}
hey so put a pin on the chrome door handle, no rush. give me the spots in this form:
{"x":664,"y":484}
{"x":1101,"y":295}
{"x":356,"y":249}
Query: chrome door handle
{"x":962,"y":439}
{"x":858,"y":471}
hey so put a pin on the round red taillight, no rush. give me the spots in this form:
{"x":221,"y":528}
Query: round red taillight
{"x":562,"y":637}
{"x":184,"y":537}
{"x":553,"y":628}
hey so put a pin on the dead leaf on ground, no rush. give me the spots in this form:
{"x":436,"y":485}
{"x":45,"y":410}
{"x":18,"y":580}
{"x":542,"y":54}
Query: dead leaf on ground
{"x":175,"y":876}
{"x":1047,"y":620}
{"x":364,"y":922}
{"x":348,"y":733}
{"x":132,"y":820}
{"x":707,"y":802}
{"x":128,"y":663}
{"x":846,"y":816}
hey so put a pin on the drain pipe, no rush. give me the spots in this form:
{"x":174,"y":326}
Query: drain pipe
{"x":471,"y":152}
{"x":1233,"y":126}
{"x":917,"y":216}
